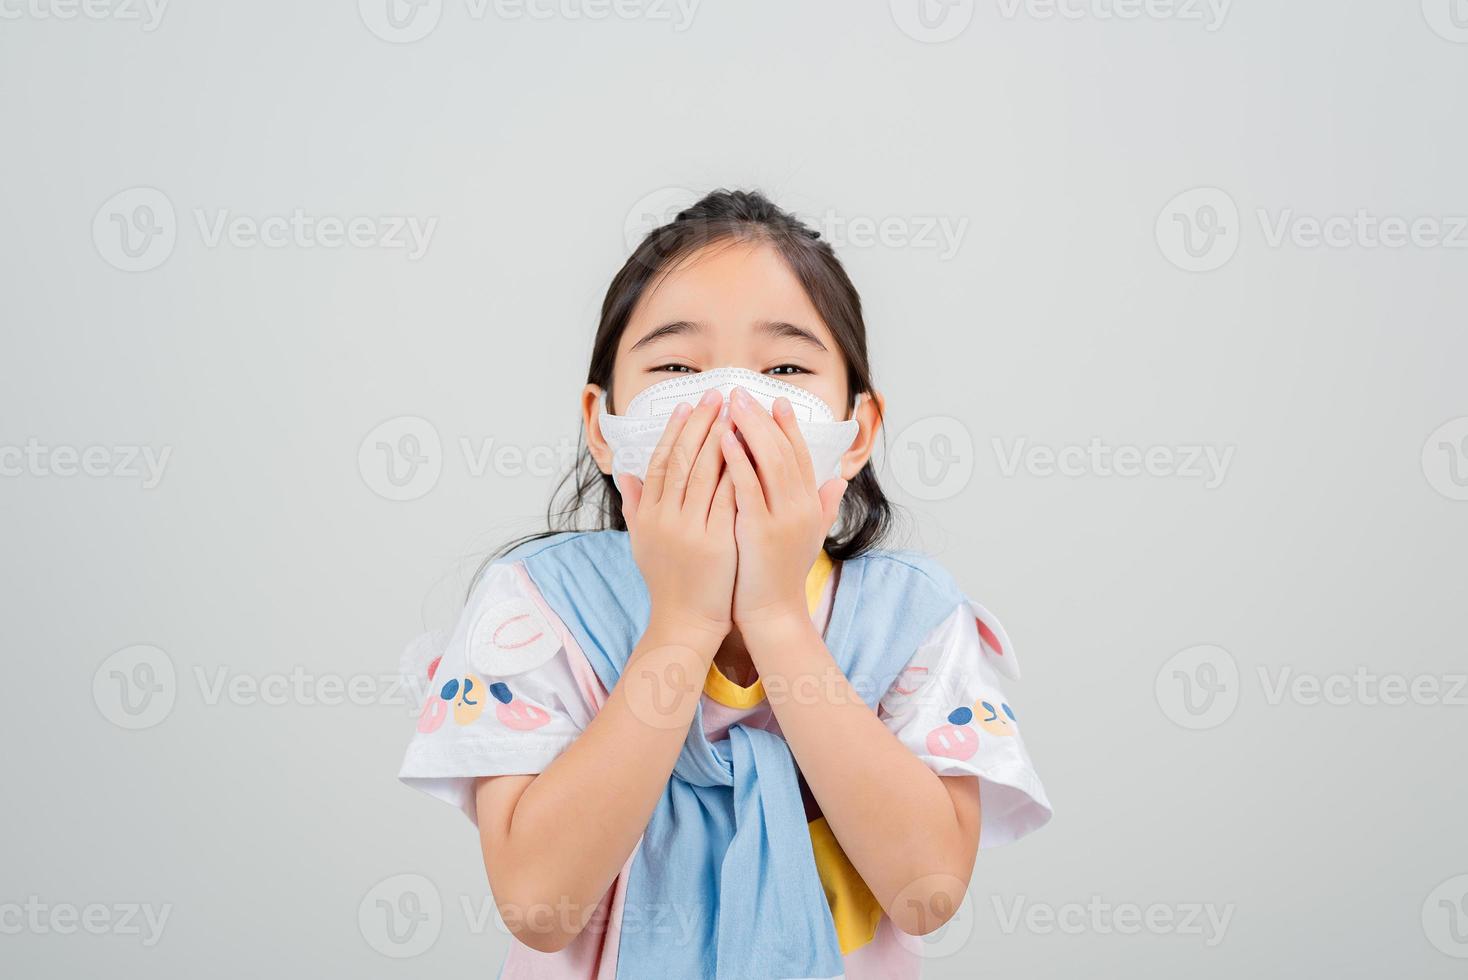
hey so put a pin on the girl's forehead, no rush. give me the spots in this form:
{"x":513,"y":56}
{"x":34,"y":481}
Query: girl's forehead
{"x":727,"y":286}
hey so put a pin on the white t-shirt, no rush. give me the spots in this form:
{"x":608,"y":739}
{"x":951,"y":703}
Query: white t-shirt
{"x":511,"y":690}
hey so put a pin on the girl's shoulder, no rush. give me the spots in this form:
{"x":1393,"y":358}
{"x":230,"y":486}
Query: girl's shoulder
{"x":901,"y":573}
{"x":909,"y":562}
{"x":595,"y":543}
{"x":916,"y":572}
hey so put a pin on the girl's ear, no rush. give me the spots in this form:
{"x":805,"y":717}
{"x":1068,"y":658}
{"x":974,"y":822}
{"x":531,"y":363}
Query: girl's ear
{"x":591,"y":420}
{"x":869,"y":411}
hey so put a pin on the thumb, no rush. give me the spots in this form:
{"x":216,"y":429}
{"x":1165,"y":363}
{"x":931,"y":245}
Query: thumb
{"x":631,"y":490}
{"x":830,"y":495}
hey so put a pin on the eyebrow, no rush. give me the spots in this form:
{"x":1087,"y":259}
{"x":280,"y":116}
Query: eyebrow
{"x":774,"y":328}
{"x":673,"y":329}
{"x":779,"y":328}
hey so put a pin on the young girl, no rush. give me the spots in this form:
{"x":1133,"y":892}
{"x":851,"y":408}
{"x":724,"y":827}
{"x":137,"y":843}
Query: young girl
{"x":724,"y":736}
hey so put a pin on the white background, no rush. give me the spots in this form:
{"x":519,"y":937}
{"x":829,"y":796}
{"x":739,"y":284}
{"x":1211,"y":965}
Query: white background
{"x":1333,"y":541}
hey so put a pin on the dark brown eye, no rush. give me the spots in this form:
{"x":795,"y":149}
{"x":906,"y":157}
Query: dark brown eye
{"x":787,"y":369}
{"x":674,"y":369}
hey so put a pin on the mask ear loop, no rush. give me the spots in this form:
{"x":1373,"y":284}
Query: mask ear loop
{"x":855,"y":404}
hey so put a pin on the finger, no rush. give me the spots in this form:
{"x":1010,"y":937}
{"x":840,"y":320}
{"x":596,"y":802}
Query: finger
{"x":748,"y":493}
{"x":685,"y":450}
{"x":721,"y":508}
{"x":703,"y":480}
{"x":774,"y":460}
{"x":657,"y":466}
{"x":631,"y":490}
{"x":785,"y":419}
{"x":831,"y":493}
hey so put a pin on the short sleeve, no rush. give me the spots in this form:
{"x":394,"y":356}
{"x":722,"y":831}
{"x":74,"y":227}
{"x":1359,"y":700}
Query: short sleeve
{"x":506,"y":692}
{"x":949,"y":708}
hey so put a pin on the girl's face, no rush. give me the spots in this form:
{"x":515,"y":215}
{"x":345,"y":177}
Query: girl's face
{"x":731,"y":304}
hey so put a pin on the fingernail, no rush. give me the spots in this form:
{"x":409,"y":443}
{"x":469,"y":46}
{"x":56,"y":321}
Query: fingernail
{"x":711,"y":397}
{"x":681,"y":410}
{"x":782,"y":405}
{"x":741,"y":396}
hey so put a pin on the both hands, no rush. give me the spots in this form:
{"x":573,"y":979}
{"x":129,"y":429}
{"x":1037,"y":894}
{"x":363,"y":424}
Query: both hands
{"x":725,"y":535}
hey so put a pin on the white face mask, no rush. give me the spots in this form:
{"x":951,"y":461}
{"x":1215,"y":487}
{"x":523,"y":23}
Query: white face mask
{"x":633,"y":437}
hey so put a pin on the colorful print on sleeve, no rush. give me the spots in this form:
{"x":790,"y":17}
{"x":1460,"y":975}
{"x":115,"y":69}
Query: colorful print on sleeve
{"x":949,"y":708}
{"x":501,"y":695}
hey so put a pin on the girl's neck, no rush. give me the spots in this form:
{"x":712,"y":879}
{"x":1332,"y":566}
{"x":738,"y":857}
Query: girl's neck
{"x":733,"y":660}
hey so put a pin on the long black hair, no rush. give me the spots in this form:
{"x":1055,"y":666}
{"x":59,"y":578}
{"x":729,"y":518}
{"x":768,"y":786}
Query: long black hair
{"x":586,"y":498}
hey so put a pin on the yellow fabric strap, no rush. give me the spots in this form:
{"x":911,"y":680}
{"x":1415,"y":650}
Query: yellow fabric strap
{"x":730,"y":694}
